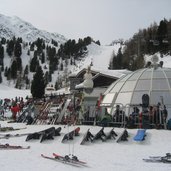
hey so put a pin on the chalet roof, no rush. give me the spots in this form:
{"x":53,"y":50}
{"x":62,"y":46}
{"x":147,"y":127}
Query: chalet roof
{"x":108,"y":73}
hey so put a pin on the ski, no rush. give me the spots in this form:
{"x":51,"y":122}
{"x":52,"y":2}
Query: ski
{"x":12,"y":147}
{"x":6,"y":136}
{"x":73,"y":159}
{"x":168,"y":155}
{"x":163,"y":159}
{"x":153,"y":160}
{"x":60,"y":159}
{"x":5,"y":129}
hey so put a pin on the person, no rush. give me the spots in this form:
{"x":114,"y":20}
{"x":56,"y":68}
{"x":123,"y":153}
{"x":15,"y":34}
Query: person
{"x":106,"y":119}
{"x":14,"y":110}
{"x":164,"y":115}
{"x":118,"y":114}
{"x":133,"y":118}
{"x":151,"y":115}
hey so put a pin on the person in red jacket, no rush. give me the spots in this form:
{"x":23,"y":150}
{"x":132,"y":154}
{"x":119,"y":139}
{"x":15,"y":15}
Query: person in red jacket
{"x":14,"y":110}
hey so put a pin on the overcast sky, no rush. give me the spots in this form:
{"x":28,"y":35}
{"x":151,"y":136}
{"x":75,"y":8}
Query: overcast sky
{"x":103,"y":20}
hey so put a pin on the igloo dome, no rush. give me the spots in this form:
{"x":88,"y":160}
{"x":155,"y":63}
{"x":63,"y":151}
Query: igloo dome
{"x":129,"y":89}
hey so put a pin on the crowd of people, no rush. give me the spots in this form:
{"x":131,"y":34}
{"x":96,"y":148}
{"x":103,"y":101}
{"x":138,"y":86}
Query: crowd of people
{"x":154,"y":116}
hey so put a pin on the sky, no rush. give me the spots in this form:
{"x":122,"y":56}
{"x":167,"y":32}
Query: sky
{"x":104,"y":20}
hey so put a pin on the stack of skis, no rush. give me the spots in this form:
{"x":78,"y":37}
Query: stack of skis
{"x":159,"y":159}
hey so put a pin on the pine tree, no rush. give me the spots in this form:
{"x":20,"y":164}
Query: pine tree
{"x":17,"y":49}
{"x":14,"y":70}
{"x":0,"y":77}
{"x":38,"y":84}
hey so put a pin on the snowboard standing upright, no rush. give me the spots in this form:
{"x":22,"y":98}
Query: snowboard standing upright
{"x":123,"y":136}
{"x":87,"y":137}
{"x":100,"y":135}
{"x":70,"y":135}
{"x":140,"y":136}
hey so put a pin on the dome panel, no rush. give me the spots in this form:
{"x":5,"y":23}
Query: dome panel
{"x":158,"y":74}
{"x":160,"y":84}
{"x":125,"y":77}
{"x":143,"y":85}
{"x":168,"y":74}
{"x":128,"y":86}
{"x":155,"y":97}
{"x":137,"y":97}
{"x":117,"y":87}
{"x":124,"y":98}
{"x":135,"y":76}
{"x":146,"y":75}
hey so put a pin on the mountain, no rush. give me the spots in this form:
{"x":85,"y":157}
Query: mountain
{"x":14,"y":26}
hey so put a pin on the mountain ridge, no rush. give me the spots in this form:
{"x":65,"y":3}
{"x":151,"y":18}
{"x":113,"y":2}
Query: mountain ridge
{"x":15,"y":26}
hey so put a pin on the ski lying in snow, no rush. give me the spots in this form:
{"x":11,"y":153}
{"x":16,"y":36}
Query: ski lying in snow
{"x":62,"y":160}
{"x":74,"y":159}
{"x":6,"y":136}
{"x":5,"y":129}
{"x":159,"y":159}
{"x":12,"y":147}
{"x":163,"y":159}
{"x":168,"y":155}
{"x":153,"y":160}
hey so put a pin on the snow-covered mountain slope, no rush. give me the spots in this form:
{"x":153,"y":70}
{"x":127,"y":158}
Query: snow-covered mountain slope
{"x":14,"y":26}
{"x":99,"y":58}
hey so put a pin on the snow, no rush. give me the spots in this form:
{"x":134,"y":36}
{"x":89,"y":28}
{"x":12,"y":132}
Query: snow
{"x":99,"y":155}
{"x":9,"y":92}
{"x":109,"y":155}
{"x":14,"y":26}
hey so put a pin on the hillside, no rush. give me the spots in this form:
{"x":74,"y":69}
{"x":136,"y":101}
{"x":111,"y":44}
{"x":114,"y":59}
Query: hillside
{"x":14,"y":26}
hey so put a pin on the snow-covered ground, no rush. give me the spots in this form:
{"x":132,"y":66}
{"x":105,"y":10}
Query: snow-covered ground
{"x":109,"y":155}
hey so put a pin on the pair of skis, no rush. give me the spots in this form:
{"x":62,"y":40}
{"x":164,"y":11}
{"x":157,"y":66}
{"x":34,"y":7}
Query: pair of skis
{"x":159,"y":159}
{"x":66,"y":160}
{"x":12,"y":147}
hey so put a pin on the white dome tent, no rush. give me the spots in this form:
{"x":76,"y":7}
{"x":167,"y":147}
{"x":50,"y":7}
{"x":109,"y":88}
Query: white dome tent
{"x":129,"y":89}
